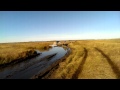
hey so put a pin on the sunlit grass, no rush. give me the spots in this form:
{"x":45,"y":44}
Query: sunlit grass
{"x":104,"y":64}
{"x":14,"y":51}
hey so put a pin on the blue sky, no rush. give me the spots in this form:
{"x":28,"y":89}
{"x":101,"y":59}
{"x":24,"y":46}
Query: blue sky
{"x":20,"y":26}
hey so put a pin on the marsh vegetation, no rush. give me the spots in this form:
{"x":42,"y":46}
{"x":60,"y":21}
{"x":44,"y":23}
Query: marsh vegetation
{"x":90,"y":59}
{"x":11,"y":52}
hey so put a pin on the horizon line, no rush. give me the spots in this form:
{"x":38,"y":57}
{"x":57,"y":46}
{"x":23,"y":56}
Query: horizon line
{"x":57,"y":40}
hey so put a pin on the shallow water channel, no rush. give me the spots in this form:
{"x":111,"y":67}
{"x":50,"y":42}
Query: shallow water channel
{"x":33,"y":66}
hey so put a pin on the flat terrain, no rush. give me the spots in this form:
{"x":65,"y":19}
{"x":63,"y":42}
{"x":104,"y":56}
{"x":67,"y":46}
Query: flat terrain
{"x":90,"y":59}
{"x":10,"y":52}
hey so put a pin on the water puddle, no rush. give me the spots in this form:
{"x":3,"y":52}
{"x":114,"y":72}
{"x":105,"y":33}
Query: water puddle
{"x":31,"y":67}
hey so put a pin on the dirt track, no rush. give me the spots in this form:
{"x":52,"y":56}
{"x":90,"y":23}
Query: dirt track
{"x":95,"y":64}
{"x":79,"y":70}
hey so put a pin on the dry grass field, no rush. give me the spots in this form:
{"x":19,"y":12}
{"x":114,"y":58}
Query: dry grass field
{"x":14,"y":51}
{"x":90,"y":59}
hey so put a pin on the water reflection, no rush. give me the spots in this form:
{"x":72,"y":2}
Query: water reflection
{"x":28,"y":68}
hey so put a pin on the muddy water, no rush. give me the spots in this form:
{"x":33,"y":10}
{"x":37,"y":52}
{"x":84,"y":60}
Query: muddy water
{"x":31,"y":67}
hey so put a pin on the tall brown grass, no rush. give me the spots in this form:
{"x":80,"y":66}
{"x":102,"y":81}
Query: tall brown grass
{"x":14,"y":51}
{"x":98,"y":64}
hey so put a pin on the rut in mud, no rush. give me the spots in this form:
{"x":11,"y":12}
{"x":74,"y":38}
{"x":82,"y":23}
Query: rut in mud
{"x":52,"y":68}
{"x":39,"y":64}
{"x":90,"y":60}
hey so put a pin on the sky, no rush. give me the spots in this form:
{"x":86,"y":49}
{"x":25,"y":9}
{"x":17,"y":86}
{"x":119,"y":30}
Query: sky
{"x":25,"y":26}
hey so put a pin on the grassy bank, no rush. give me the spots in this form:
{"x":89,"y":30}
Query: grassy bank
{"x":16,"y":51}
{"x":90,"y":59}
